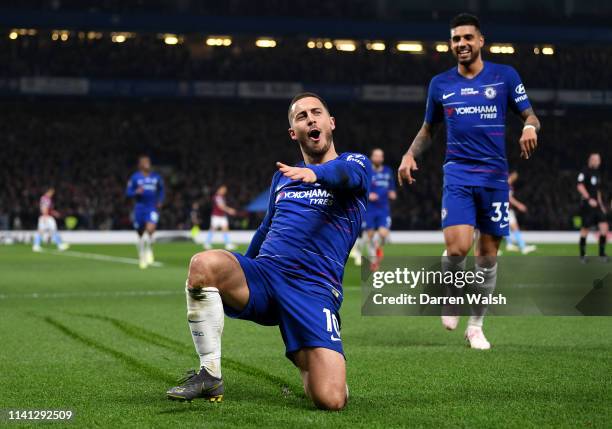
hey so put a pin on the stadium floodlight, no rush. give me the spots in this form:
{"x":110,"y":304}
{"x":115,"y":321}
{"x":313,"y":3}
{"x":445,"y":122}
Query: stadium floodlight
{"x":219,"y":41}
{"x":94,"y":35}
{"x":442,"y":47}
{"x":345,"y":45}
{"x":265,"y":42}
{"x":121,"y":37}
{"x":13,"y":35}
{"x":501,"y":49}
{"x":62,"y":35}
{"x":376,"y":45}
{"x":171,"y":39}
{"x":412,"y":47}
{"x":548,"y":50}
{"x":328,"y":45}
{"x":311,"y":44}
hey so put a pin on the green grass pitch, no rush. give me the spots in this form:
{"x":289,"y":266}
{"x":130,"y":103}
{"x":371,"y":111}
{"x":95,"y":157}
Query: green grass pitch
{"x":106,"y":340}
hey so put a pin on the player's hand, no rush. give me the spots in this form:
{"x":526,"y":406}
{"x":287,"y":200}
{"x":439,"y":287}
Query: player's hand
{"x":404,"y":172}
{"x":305,"y":175}
{"x":522,"y":208}
{"x":528,"y":142}
{"x":593,"y":202}
{"x":373,"y":196}
{"x":230,"y":211}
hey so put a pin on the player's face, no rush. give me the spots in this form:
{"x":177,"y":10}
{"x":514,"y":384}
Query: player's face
{"x":594,"y":161}
{"x":377,"y":157}
{"x":311,"y":126}
{"x":466,"y":42}
{"x":51,"y":192}
{"x":222,"y":190}
{"x":144,"y":164}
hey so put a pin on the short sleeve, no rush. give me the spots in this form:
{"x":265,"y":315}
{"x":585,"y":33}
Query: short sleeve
{"x":517,"y":95}
{"x":433,"y":109}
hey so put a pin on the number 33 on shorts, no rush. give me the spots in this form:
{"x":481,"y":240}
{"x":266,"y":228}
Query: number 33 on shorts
{"x":498,"y":215}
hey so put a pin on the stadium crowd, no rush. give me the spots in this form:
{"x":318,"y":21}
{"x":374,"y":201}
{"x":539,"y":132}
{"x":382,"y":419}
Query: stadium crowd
{"x":88,"y":150}
{"x":145,"y":56}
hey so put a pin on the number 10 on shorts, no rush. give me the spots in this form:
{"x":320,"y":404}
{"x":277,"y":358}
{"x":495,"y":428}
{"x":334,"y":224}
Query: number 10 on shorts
{"x":332,"y":324}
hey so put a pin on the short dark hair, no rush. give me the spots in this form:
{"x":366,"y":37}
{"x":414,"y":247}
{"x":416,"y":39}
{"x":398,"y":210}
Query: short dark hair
{"x":305,"y":95}
{"x":465,"y":19}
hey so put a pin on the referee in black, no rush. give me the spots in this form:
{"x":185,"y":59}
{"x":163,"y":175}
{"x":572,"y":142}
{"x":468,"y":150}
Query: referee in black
{"x":592,"y":209}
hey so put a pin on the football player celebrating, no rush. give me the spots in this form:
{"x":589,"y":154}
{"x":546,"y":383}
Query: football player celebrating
{"x":291,"y":275}
{"x":473,"y":98}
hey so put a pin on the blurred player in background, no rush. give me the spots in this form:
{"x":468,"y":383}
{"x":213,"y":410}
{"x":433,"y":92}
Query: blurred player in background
{"x":473,"y":99}
{"x":147,"y":189}
{"x":515,"y":239}
{"x":291,"y":275}
{"x":592,"y":209}
{"x":219,"y":220}
{"x":195,"y":220}
{"x":382,"y":189}
{"x":47,"y":223}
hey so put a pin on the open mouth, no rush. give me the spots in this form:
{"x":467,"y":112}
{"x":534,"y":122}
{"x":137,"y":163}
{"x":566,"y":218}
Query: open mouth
{"x":314,"y":134}
{"x":464,"y":53}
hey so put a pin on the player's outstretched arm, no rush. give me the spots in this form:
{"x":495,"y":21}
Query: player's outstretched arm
{"x":262,"y":231}
{"x":352,"y":173}
{"x":420,"y":144}
{"x":529,"y":137}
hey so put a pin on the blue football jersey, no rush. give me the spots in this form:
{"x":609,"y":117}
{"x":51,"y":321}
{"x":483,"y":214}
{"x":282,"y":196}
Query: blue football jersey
{"x":310,"y":228}
{"x":475,"y":114}
{"x":153,"y":189}
{"x":383,"y":181}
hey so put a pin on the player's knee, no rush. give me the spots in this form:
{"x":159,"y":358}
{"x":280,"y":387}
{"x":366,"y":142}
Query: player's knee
{"x":331,"y":398}
{"x":202,"y":268}
{"x":457,"y":250}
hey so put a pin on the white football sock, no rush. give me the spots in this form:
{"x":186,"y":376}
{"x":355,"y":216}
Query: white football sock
{"x":205,"y":317}
{"x":488,"y":286}
{"x":141,"y":246}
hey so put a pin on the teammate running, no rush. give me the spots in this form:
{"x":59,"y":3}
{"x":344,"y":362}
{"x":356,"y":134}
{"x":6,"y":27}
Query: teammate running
{"x":292,"y":273}
{"x":147,"y":189}
{"x":378,"y":216}
{"x":47,"y":223}
{"x":592,"y":209}
{"x":218,"y":219}
{"x":515,"y":239}
{"x":473,"y":99}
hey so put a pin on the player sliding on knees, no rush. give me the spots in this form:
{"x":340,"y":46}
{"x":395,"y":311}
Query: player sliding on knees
{"x":291,"y":275}
{"x":473,"y":98}
{"x":147,"y":189}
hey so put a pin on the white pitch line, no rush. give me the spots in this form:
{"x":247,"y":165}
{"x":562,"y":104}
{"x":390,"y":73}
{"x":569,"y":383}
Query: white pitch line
{"x":99,"y":257}
{"x":60,"y":295}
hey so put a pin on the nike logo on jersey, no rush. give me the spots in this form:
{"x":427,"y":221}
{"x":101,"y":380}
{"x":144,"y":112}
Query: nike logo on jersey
{"x":445,"y":96}
{"x":503,"y":225}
